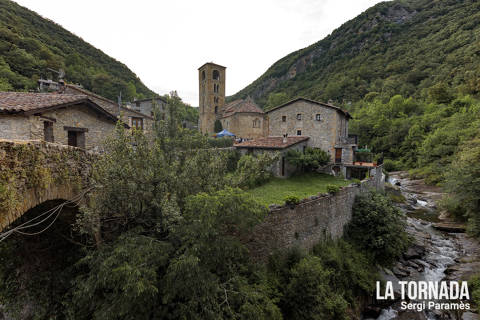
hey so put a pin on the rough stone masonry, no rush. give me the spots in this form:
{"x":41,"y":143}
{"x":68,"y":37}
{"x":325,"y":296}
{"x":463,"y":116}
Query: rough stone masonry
{"x":314,"y":219}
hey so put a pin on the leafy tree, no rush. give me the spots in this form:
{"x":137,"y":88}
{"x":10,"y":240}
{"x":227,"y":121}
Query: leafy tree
{"x":276,"y":99}
{"x":210,"y":279}
{"x":463,"y":179}
{"x":308,"y":294}
{"x":123,"y":280}
{"x":377,"y":227}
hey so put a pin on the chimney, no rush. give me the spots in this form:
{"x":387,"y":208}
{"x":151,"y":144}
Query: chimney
{"x":285,"y":136}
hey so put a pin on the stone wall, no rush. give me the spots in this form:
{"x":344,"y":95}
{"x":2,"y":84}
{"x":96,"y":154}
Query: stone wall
{"x":241,"y":124}
{"x":20,"y":127}
{"x":32,"y":172}
{"x":314,"y":219}
{"x":327,"y":133}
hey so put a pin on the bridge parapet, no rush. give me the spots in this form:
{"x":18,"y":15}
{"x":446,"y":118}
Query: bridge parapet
{"x":32,"y":172}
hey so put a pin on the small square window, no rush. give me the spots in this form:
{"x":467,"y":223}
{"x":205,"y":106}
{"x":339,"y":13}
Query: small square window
{"x":284,"y":118}
{"x":318,"y":117}
{"x":299,"y":116}
{"x":299,"y":132}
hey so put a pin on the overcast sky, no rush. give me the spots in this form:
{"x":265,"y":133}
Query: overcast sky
{"x":164,"y":42}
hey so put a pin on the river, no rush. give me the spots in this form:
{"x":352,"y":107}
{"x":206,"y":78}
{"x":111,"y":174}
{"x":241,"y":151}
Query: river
{"x":435,"y":255}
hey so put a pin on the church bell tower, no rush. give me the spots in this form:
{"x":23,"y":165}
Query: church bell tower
{"x":211,"y":79}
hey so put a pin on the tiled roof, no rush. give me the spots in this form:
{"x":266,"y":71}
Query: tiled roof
{"x":103,"y":102}
{"x":30,"y":103}
{"x":271,"y":142}
{"x":16,"y":102}
{"x":345,"y":112}
{"x":241,"y":106}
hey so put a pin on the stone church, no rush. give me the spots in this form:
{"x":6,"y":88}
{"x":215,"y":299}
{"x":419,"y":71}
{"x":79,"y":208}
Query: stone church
{"x":241,"y":117}
{"x":296,"y":124}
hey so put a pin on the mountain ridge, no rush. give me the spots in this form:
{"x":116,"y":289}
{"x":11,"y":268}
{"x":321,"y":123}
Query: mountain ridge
{"x":402,"y":46}
{"x":30,"y":44}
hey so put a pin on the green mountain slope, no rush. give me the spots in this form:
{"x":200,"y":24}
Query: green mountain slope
{"x":399,"y":47}
{"x":29,"y":44}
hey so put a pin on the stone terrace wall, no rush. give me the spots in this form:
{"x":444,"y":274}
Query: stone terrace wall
{"x":32,"y":172}
{"x":314,"y":219}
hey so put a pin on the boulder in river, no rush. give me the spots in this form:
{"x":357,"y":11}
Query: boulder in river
{"x":414,"y":252}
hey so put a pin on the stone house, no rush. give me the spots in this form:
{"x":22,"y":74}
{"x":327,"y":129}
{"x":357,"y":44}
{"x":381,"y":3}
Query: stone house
{"x":70,"y":119}
{"x":132,"y":118}
{"x":325,"y":124}
{"x":146,"y":106}
{"x":275,"y":145}
{"x":244,"y":119}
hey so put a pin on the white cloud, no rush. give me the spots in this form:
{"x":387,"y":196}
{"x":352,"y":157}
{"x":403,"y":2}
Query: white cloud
{"x":164,"y":42}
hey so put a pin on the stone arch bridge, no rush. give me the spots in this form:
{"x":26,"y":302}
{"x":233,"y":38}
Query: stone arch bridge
{"x":32,"y":172}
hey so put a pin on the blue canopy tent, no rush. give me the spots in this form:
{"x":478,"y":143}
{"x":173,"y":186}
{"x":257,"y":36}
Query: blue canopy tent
{"x":224,"y":133}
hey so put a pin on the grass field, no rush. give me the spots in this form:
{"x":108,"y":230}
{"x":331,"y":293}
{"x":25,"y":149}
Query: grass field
{"x":303,"y":186}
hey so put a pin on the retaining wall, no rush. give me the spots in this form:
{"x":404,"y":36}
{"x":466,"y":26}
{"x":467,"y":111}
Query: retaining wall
{"x":314,"y":219}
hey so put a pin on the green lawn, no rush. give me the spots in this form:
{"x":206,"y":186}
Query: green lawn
{"x":302,"y":186}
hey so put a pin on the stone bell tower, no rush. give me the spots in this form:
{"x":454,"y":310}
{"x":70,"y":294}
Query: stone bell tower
{"x":211,"y":79}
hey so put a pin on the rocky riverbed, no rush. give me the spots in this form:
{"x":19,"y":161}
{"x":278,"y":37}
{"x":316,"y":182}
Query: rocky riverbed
{"x":435,"y":255}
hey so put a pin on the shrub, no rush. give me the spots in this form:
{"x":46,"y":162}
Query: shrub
{"x":378,"y":228}
{"x":225,"y":142}
{"x":391,"y":165}
{"x":310,"y":160}
{"x":309,"y":294}
{"x":331,"y":188}
{"x":253,"y":170}
{"x":474,"y":284}
{"x":292,"y":200}
{"x":350,"y":271}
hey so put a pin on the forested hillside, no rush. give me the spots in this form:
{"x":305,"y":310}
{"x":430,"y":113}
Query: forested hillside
{"x":29,"y":44}
{"x":398,"y":47}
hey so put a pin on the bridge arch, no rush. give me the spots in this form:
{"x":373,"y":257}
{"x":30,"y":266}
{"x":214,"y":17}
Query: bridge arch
{"x":33,"y":172}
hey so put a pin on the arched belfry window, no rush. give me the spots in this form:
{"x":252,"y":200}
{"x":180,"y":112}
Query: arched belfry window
{"x":216,"y":75}
{"x":216,"y":109}
{"x":203,"y":75}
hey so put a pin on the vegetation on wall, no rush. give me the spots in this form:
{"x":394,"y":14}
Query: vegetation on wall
{"x":30,"y":44}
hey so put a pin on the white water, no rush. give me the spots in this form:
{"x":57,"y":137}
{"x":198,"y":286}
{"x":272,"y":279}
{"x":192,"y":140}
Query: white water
{"x":440,"y":254}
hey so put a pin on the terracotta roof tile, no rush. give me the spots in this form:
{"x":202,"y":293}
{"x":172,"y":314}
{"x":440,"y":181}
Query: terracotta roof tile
{"x":241,"y":106}
{"x":271,"y":142}
{"x":103,"y":102}
{"x":16,"y":102}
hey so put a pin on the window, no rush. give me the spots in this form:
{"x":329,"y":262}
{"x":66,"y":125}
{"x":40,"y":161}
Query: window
{"x":203,"y":75}
{"x":137,"y":123}
{"x":256,"y":123}
{"x":48,"y":131}
{"x":76,"y":139}
{"x":216,"y":75}
{"x":318,"y":117}
{"x":299,"y":132}
{"x":299,"y":116}
{"x":284,"y":118}
{"x":216,"y":109}
{"x":76,"y":136}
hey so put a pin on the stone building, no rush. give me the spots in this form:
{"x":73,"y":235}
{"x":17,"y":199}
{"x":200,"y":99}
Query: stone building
{"x":275,"y":145}
{"x":134,"y":119}
{"x":146,"y":106}
{"x":211,"y":78}
{"x":70,"y":119}
{"x":244,"y":119}
{"x":325,"y":124}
